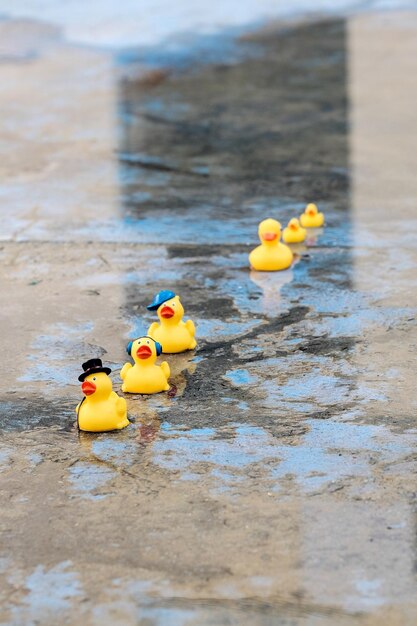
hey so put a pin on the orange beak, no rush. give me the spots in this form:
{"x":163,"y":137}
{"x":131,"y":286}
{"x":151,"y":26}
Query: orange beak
{"x":167,"y":312}
{"x":88,"y":388}
{"x":293,"y":226}
{"x":144,"y":352}
{"x":311,"y":212}
{"x":269,"y":236}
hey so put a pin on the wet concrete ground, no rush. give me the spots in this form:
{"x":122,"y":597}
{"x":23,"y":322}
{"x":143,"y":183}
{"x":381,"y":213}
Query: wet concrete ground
{"x":275,"y":482}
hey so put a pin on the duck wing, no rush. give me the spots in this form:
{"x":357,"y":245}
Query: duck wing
{"x":190,"y":327}
{"x":166,"y":369}
{"x":121,"y":406}
{"x":124,"y":370}
{"x":152,"y":328}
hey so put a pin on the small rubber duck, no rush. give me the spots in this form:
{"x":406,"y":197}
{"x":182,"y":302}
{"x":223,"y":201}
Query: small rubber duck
{"x":101,"y":409}
{"x":271,"y":255}
{"x":145,"y":376}
{"x":294,"y":233}
{"x":311,"y":218}
{"x":174,"y":334}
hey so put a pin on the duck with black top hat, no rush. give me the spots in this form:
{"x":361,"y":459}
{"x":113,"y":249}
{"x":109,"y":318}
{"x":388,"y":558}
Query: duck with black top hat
{"x":172,"y":333}
{"x":101,"y":409}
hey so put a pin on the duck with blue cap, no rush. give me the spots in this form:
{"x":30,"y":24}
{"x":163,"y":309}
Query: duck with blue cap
{"x":172,"y":333}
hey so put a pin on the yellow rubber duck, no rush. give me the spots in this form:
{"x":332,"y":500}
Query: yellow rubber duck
{"x":172,"y":333}
{"x":294,"y":233}
{"x":145,"y":376}
{"x":311,"y":218}
{"x":101,"y":409}
{"x":271,"y":255}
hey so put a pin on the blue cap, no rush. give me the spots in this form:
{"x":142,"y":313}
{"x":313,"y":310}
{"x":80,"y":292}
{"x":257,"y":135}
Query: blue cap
{"x":160,"y":298}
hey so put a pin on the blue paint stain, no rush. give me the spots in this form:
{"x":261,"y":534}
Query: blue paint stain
{"x":49,"y":594}
{"x":87,"y":477}
{"x":198,"y":445}
{"x":241,"y":377}
{"x":119,"y":453}
{"x":5,"y":456}
{"x":327,"y":452}
{"x":214,"y":329}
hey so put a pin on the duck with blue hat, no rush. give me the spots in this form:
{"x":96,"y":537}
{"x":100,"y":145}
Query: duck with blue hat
{"x":172,"y":332}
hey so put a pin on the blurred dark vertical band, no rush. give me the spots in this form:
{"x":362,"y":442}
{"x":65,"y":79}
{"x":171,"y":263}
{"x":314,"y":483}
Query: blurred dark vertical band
{"x":228,"y":141}
{"x":271,"y":123}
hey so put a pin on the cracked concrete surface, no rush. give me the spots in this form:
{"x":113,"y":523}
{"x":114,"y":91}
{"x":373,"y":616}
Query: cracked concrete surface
{"x":275,"y":482}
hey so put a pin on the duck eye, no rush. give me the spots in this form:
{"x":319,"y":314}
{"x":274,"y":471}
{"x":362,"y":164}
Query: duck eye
{"x":94,"y":378}
{"x":147,"y":343}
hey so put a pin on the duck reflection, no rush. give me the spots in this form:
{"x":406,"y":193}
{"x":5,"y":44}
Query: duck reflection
{"x":271,"y":284}
{"x":313,"y":235}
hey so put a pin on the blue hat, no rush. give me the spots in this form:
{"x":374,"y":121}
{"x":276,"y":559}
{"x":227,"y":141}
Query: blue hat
{"x":160,"y":298}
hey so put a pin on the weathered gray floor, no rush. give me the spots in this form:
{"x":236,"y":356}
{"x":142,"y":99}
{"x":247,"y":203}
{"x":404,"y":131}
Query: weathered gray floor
{"x":276,"y":483}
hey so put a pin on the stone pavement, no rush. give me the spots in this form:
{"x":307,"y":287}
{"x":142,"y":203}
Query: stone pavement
{"x":275,"y":482}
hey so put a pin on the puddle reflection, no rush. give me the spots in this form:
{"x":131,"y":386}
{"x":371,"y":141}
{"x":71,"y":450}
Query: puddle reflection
{"x":271,"y":284}
{"x":313,"y":236}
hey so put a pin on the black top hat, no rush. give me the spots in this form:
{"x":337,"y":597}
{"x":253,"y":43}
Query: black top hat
{"x":93,"y":366}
